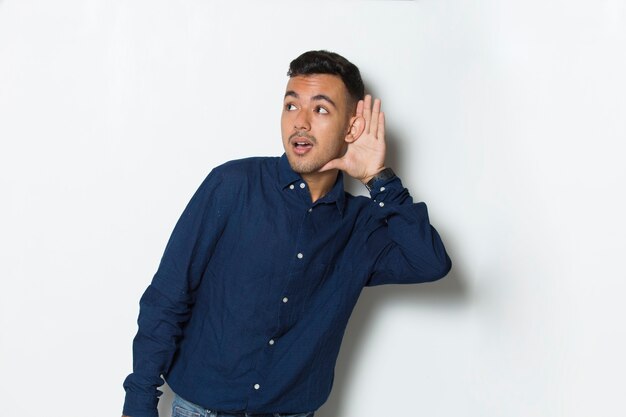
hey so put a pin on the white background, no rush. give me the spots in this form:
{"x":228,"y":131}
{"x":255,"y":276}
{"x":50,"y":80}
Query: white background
{"x":507,"y":117}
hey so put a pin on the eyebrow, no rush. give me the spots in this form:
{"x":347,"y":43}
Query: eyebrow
{"x":293,"y":94}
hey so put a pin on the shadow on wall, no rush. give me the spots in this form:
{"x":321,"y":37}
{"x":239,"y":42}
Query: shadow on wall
{"x":450,"y":291}
{"x":165,"y":402}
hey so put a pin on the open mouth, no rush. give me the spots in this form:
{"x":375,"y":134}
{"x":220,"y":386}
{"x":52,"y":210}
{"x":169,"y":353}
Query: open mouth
{"x":301,"y":145}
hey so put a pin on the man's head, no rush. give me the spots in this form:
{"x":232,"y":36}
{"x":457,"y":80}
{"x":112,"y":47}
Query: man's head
{"x":318,"y":118}
{"x":325,"y":62}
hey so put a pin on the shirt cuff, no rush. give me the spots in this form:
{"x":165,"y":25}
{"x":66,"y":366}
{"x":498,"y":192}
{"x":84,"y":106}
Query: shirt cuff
{"x":139,"y":405}
{"x":381,"y":189}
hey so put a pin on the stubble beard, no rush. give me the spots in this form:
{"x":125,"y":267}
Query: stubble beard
{"x":299,"y":163}
{"x":304,"y":167}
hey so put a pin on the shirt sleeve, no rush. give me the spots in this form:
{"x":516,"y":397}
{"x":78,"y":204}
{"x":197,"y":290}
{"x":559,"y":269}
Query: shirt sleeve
{"x":405,"y":248}
{"x":165,"y":305}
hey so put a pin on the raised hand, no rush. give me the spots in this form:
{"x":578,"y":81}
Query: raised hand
{"x":365,"y":156}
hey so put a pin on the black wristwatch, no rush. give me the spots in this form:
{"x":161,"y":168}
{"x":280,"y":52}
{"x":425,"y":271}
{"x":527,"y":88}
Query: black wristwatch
{"x":383,"y":175}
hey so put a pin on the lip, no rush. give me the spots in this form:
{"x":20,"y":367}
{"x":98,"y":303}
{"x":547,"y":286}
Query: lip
{"x":300,"y":139}
{"x":301,"y":145}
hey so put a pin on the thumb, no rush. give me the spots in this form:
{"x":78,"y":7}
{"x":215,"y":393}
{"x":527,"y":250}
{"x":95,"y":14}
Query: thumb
{"x":334,"y":164}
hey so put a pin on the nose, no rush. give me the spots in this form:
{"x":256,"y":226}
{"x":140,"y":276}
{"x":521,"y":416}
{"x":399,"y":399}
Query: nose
{"x":301,"y":121}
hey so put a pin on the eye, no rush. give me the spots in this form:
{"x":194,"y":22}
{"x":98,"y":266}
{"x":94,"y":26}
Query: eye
{"x":321,"y":110}
{"x":290,"y":106}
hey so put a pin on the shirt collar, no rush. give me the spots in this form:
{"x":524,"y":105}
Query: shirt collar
{"x":287,"y":176}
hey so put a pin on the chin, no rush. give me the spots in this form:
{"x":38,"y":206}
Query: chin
{"x":304,"y":167}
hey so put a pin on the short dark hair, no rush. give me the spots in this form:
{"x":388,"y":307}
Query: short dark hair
{"x":325,"y":62}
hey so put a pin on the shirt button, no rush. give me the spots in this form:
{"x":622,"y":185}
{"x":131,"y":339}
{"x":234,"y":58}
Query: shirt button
{"x":381,"y":204}
{"x":291,"y":187}
{"x":257,"y":386}
{"x":382,"y":189}
{"x":285,"y":299}
{"x":271,"y":342}
{"x":300,"y":256}
{"x":310,"y":210}
{"x":302,"y":185}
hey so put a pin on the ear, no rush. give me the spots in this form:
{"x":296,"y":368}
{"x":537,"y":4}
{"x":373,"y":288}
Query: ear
{"x":356,"y":128}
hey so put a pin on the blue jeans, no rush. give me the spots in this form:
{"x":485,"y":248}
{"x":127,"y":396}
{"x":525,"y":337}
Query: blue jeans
{"x":183,"y":408}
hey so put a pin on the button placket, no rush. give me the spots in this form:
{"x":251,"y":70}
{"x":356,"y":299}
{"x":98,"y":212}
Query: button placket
{"x":297,"y":266}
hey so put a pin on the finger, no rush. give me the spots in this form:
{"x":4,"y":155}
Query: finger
{"x":380,"y":134}
{"x":367,"y":112}
{"x":359,"y":108}
{"x":375,"y":114}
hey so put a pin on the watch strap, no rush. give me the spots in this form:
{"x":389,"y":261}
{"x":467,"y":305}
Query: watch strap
{"x":383,"y":175}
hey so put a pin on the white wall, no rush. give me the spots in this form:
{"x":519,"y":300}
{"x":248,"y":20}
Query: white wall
{"x":506,"y":117}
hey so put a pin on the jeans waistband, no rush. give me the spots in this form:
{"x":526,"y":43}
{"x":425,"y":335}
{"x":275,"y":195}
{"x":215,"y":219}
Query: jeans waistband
{"x":201,"y":411}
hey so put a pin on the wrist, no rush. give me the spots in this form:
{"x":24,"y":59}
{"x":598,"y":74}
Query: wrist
{"x":383,"y":175}
{"x":369,"y":178}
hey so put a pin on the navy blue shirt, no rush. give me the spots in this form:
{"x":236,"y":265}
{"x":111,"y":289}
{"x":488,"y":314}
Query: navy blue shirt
{"x":252,"y":296}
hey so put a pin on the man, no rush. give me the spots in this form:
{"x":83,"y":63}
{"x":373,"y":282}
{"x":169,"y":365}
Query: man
{"x":247,"y":310}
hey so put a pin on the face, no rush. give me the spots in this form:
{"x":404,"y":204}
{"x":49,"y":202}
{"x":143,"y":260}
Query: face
{"x":315,"y":121}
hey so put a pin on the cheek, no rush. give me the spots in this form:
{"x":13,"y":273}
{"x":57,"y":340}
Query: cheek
{"x":284,"y":123}
{"x":328,"y":128}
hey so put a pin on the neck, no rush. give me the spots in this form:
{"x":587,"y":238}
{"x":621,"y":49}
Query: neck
{"x":320,"y":183}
